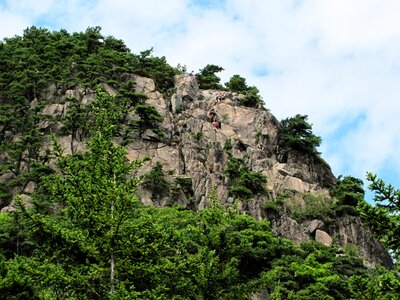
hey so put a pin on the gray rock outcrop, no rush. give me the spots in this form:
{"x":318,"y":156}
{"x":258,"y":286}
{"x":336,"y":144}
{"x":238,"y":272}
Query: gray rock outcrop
{"x":196,"y":152}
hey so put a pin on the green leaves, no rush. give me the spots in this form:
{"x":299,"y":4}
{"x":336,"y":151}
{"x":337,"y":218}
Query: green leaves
{"x":89,"y":237}
{"x":296,"y":134}
{"x":207,"y":78}
{"x":244,"y":183}
{"x":252,"y":98}
{"x":156,"y":68}
{"x":149,"y":118}
{"x":95,"y":195}
{"x":155,"y":182}
{"x":384,"y":218}
{"x":348,"y":190}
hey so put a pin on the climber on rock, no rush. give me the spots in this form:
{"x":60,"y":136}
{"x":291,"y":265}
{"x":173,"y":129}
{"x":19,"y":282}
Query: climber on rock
{"x":216,"y":125}
{"x":214,"y":118}
{"x":212,"y":114}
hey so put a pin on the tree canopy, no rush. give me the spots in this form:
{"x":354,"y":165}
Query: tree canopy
{"x":207,"y":78}
{"x":384,"y":217}
{"x":296,"y":133}
{"x":40,"y":66}
{"x":252,"y":98}
{"x":349,"y":190}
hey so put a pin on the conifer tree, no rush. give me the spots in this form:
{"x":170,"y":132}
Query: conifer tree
{"x":97,"y":195}
{"x":384,"y":217}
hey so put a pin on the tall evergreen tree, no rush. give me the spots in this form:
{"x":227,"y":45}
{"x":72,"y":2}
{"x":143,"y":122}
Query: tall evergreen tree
{"x":384,"y":217}
{"x":97,"y":195}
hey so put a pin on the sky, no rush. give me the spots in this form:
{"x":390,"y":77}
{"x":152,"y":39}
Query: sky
{"x":336,"y":61}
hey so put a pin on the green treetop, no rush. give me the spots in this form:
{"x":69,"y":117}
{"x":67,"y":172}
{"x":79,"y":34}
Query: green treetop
{"x":296,"y":133}
{"x":384,"y":217}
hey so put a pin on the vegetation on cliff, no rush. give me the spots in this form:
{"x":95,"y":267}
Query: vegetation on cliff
{"x":384,"y":218}
{"x":86,"y":235}
{"x":296,"y":134}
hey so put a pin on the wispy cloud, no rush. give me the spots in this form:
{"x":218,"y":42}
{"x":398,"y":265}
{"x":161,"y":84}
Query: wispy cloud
{"x":336,"y":61}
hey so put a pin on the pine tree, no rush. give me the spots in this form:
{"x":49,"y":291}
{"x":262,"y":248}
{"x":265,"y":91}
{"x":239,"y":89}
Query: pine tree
{"x":97,"y":195}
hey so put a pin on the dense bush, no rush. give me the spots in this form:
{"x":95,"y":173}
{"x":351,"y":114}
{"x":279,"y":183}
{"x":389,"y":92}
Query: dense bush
{"x":245,"y":183}
{"x":311,"y":206}
{"x":296,"y":134}
{"x":237,"y":84}
{"x":348,"y":190}
{"x":155,"y":182}
{"x":156,"y":68}
{"x":252,"y":98}
{"x":207,"y":78}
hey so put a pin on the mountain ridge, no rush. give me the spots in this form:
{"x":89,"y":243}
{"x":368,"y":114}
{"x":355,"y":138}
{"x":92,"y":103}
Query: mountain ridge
{"x":94,"y":137}
{"x":192,"y":150}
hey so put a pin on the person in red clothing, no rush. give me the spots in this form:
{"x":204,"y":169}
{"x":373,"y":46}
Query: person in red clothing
{"x":213,"y":116}
{"x":216,"y":125}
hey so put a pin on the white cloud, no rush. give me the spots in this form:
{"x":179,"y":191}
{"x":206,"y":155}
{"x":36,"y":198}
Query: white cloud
{"x":11,"y":24}
{"x":356,"y":24}
{"x":29,"y":8}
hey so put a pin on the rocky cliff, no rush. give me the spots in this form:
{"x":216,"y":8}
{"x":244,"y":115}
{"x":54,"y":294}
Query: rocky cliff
{"x":194,"y":154}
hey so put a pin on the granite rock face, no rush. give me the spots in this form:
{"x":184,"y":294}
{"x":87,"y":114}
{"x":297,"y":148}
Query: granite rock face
{"x":193,"y":153}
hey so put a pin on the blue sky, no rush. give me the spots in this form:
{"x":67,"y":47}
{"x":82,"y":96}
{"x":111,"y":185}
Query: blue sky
{"x":336,"y":61}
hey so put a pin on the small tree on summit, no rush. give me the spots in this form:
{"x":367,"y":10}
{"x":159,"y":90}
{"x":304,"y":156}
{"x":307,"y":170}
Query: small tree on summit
{"x":295,"y":133}
{"x":207,"y":78}
{"x":238,"y":84}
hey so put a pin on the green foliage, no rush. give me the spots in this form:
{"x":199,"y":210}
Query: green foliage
{"x":384,"y":217}
{"x":313,"y":207}
{"x":252,"y":98}
{"x":127,"y":96}
{"x":178,"y":110}
{"x":96,"y":196}
{"x":156,"y":183}
{"x":149,"y":117}
{"x":352,"y":250}
{"x":40,"y":59}
{"x":39,"y":66}
{"x":181,"y":193}
{"x":228,"y":146}
{"x":278,"y":202}
{"x":237,"y":84}
{"x":198,"y":135}
{"x":101,"y":243}
{"x":181,"y":68}
{"x":348,"y":190}
{"x":89,"y":237}
{"x":343,"y":210}
{"x":257,"y":136}
{"x":377,"y":284}
{"x":295,"y":133}
{"x":156,"y":68}
{"x":245,"y":184}
{"x":185,"y":183}
{"x":311,"y":272}
{"x":207,"y":78}
{"x":75,"y":122}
